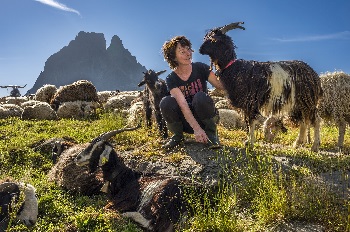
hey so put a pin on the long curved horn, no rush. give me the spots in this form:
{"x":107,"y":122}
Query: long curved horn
{"x":231,"y":26}
{"x":107,"y":135}
{"x":160,"y":72}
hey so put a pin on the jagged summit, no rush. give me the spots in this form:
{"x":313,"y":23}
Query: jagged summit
{"x":87,"y":58}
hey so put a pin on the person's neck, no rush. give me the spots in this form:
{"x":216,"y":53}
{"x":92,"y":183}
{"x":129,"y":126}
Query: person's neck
{"x":184,"y":71}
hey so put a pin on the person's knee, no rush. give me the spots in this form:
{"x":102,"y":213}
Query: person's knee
{"x":170,"y":109}
{"x":167,"y":103}
{"x":202,"y":99}
{"x":203,"y":103}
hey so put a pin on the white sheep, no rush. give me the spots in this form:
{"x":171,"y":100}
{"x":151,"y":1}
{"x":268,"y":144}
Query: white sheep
{"x":81,"y":90}
{"x":10,"y":110}
{"x":77,"y":109}
{"x":16,"y":100}
{"x":29,"y":103}
{"x":230,"y":119}
{"x":134,"y":114}
{"x":121,"y":101}
{"x":103,"y":96}
{"x":39,"y":111}
{"x":20,"y":197}
{"x":45,"y":93}
{"x":335,"y":104}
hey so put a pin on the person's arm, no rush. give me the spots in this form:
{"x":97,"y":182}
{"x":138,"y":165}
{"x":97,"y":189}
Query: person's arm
{"x":213,"y":80}
{"x":199,"y":133}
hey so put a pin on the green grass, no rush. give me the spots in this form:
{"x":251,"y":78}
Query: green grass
{"x":255,"y":193}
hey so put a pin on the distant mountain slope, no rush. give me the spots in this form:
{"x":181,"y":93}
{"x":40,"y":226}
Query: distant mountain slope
{"x":86,"y":58}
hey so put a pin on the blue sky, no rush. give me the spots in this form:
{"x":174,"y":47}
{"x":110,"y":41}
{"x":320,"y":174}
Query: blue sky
{"x":317,"y":32}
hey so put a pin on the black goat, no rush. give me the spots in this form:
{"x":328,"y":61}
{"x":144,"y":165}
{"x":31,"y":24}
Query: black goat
{"x":289,"y":88}
{"x":154,"y":91}
{"x":10,"y":201}
{"x":153,"y":201}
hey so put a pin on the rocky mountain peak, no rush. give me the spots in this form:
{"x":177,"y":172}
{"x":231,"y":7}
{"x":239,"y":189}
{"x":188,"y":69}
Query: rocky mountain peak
{"x":86,"y":58}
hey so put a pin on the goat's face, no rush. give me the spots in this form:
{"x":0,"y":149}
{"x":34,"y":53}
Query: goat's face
{"x":150,"y":78}
{"x":92,"y":154}
{"x":98,"y":150}
{"x":273,"y":126}
{"x":218,"y":46}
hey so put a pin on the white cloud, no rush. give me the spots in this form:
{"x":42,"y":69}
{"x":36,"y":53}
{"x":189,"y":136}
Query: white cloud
{"x":339,"y":35}
{"x":58,"y":5}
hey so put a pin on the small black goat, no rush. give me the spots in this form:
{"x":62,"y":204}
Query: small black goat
{"x":154,"y":91}
{"x":153,"y":201}
{"x":10,"y":200}
{"x":289,"y":88}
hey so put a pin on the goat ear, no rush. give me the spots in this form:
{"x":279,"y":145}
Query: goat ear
{"x":104,"y":157}
{"x":160,"y":72}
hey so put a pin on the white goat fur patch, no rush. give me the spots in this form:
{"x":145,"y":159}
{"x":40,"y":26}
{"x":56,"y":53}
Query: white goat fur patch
{"x":278,"y":80}
{"x":148,"y":192}
{"x":30,"y":209}
{"x":137,"y":217}
{"x":147,"y":195}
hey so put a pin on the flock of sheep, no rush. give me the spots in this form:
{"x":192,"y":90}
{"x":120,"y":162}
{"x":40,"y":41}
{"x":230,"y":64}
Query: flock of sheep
{"x":274,"y":90}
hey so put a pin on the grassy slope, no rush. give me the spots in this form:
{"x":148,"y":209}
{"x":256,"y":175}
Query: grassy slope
{"x":255,"y":197}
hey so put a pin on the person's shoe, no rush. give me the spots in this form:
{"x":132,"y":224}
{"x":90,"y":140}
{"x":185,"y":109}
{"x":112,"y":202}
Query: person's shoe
{"x":172,"y":143}
{"x":212,"y":133}
{"x":177,"y":129}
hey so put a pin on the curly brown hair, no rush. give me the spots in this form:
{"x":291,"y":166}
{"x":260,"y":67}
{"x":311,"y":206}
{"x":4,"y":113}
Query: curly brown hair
{"x":169,"y":48}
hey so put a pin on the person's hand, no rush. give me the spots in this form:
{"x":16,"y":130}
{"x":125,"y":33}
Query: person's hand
{"x":200,"y":136}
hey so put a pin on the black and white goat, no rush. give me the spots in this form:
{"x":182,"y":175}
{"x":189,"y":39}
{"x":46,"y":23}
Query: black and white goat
{"x":290,"y":88}
{"x":154,"y":91}
{"x":18,"y":198}
{"x":153,"y":201}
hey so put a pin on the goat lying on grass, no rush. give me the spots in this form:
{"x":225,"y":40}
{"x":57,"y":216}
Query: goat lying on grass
{"x":67,"y":175}
{"x":290,"y":88}
{"x":154,"y":91}
{"x":18,"y":197}
{"x":153,"y":201}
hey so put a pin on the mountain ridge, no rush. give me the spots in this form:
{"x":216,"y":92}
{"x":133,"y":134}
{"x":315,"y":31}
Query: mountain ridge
{"x":87,"y":58}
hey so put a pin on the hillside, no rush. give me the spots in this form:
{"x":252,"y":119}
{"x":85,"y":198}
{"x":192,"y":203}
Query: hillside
{"x":272,"y":187}
{"x":86,"y":58}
